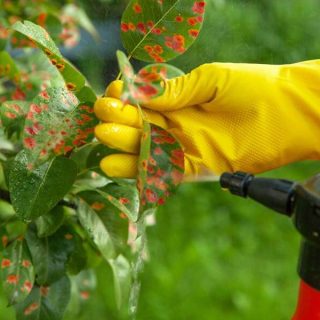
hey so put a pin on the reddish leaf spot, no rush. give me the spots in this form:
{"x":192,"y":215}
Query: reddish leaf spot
{"x":198,"y":7}
{"x":161,"y":201}
{"x":12,"y":279}
{"x":148,"y":90}
{"x":97,"y":206}
{"x":131,"y":26}
{"x":179,"y":19}
{"x":32,"y":307}
{"x":85,"y":295}
{"x":27,"y":286}
{"x":60,"y":66}
{"x":44,"y":95}
{"x":124,"y":27}
{"x":156,"y":31}
{"x":68,"y":236}
{"x":192,"y":21}
{"x":18,"y":94}
{"x":5,"y":263}
{"x":29,"y":143}
{"x":176,"y":176}
{"x":44,"y":291}
{"x":26,"y":263}
{"x":176,"y":43}
{"x":122,"y":215}
{"x":71,"y":86}
{"x":193,"y":33}
{"x":158,"y":151}
{"x":48,"y":52}
{"x":137,"y":8}
{"x":141,"y":27}
{"x":151,"y":195}
{"x":124,"y":200}
{"x":10,"y":115}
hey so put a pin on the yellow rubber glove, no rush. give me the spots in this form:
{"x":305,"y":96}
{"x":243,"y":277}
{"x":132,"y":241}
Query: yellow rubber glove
{"x":226,"y":116}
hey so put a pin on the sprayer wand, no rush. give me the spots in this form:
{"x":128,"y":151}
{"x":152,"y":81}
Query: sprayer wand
{"x":301,"y":202}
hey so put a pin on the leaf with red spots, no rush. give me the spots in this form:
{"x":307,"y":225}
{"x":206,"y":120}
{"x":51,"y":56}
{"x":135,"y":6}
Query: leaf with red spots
{"x":74,"y":80}
{"x":83,"y":286}
{"x":35,"y":192}
{"x":95,"y":228}
{"x":17,"y":271}
{"x":46,"y":302}
{"x":164,"y":24}
{"x":161,"y":166}
{"x":113,"y":221}
{"x":56,"y":124}
{"x":148,"y":83}
{"x":50,"y":255}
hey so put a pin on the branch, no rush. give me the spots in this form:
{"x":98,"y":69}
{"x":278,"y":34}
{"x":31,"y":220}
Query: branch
{"x":5,"y":195}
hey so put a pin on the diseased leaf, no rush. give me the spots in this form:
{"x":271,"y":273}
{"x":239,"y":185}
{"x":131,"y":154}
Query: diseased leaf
{"x":34,"y":193}
{"x":17,"y":271}
{"x":74,"y":80}
{"x":50,"y":254}
{"x":115,"y":221}
{"x":95,"y":229}
{"x":122,"y":279}
{"x":82,"y":287}
{"x":160,"y":30}
{"x":56,"y":124}
{"x":147,"y":84}
{"x":160,"y":168}
{"x":50,"y":222}
{"x":45,"y":302}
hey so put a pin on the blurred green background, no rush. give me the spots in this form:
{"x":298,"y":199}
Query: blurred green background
{"x":213,"y":256}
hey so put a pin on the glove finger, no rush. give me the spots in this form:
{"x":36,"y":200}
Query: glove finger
{"x":120,"y":165}
{"x":112,"y":110}
{"x":119,"y":136}
{"x":197,"y":87}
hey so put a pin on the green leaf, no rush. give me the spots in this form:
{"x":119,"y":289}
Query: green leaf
{"x":78,"y":258}
{"x":74,"y":80}
{"x":45,"y":302}
{"x":50,"y":222}
{"x":34,"y":193}
{"x":160,"y":168}
{"x":157,"y":31}
{"x":96,"y":229}
{"x":56,"y":124}
{"x":50,"y":254}
{"x":17,"y":271}
{"x":122,"y":279}
{"x":115,"y":221}
{"x":147,"y":84}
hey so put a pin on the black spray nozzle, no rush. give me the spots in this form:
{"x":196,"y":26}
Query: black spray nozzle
{"x":276,"y":194}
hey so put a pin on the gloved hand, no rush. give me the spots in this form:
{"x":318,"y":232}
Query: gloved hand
{"x":226,"y":116}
